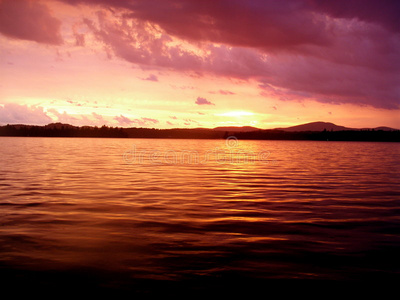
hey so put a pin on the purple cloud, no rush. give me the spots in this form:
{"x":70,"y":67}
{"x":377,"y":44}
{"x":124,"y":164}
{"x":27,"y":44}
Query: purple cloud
{"x":223,"y":92}
{"x":345,"y":51}
{"x":151,"y":77}
{"x":29,"y":20}
{"x":125,"y":121}
{"x":203,"y":101}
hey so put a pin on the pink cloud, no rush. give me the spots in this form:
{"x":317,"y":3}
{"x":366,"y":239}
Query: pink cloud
{"x":150,"y":120}
{"x":92,"y":119}
{"x":125,"y":121}
{"x":79,"y":39}
{"x":136,"y":44}
{"x":12,"y":113}
{"x":222,"y":92}
{"x":151,"y":77}
{"x":64,"y":117}
{"x":99,"y":118}
{"x":29,"y":20}
{"x":203,"y":101}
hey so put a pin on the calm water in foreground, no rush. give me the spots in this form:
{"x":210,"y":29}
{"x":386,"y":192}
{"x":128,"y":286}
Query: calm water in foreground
{"x":137,"y":214}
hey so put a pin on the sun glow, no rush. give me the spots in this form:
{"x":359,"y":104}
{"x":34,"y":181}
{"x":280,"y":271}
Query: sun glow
{"x":236,"y":114}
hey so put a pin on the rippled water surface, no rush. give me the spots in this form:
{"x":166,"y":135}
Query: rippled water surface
{"x":121,"y":212}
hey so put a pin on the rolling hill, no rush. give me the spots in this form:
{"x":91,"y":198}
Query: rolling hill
{"x":313,"y":127}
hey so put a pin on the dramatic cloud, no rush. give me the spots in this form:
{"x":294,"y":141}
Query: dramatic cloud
{"x":383,"y":12}
{"x":270,"y":25}
{"x":240,"y":23}
{"x":139,"y":44}
{"x":309,"y":51}
{"x":29,"y":20}
{"x":203,"y":101}
{"x":12,"y":113}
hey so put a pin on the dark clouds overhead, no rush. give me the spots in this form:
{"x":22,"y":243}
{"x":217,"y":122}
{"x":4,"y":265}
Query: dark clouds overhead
{"x":29,"y":20}
{"x":330,"y":51}
{"x":382,"y":12}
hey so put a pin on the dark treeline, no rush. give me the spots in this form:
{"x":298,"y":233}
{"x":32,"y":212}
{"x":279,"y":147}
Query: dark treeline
{"x":62,"y":131}
{"x":66,"y":130}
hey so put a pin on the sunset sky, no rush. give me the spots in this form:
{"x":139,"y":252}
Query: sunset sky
{"x":200,"y":63}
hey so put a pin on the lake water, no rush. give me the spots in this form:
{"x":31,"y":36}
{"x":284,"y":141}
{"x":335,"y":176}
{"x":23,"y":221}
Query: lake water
{"x":145,"y":214}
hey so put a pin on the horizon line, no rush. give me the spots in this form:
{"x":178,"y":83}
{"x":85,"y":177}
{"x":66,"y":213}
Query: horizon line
{"x":208,"y":128}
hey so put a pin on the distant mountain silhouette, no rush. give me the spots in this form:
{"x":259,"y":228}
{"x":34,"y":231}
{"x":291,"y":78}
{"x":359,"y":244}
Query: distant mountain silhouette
{"x":316,"y":126}
{"x":313,"y":126}
{"x":384,"y":128}
{"x":59,"y":125}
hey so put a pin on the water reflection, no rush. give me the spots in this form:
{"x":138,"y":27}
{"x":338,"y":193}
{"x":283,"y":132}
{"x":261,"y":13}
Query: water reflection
{"x":312,"y":210}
